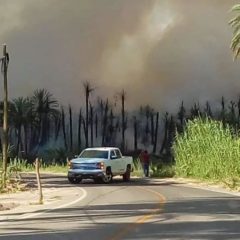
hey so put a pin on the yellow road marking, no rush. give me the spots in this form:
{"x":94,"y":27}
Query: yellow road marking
{"x":124,"y":231}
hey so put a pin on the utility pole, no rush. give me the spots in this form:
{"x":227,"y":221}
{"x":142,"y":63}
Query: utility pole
{"x":4,"y":69}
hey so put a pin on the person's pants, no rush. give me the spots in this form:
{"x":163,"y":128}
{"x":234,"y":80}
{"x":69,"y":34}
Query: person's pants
{"x":146,"y":169}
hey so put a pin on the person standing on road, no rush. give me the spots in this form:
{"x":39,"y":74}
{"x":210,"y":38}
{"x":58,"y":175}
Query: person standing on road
{"x":145,"y":159}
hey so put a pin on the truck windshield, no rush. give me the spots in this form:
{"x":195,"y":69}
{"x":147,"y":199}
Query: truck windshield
{"x":94,"y":154}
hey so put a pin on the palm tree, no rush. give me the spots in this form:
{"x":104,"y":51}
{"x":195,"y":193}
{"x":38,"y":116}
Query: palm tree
{"x":20,"y":109}
{"x":45,"y":109}
{"x":235,"y":24}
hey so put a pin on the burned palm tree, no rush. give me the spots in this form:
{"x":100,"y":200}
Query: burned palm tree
{"x":156,"y":133}
{"x":64,"y":128}
{"x":208,"y":110}
{"x":166,"y":125}
{"x":181,"y":115}
{"x":70,"y":127}
{"x":232,"y":113}
{"x":91,"y":124}
{"x":135,"y":127}
{"x":223,"y":112}
{"x":123,"y":98}
{"x":105,"y":122}
{"x":96,"y":126}
{"x":87,"y":89}
{"x":80,"y":130}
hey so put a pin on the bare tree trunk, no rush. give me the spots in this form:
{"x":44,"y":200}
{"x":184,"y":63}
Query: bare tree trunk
{"x":152,"y":127}
{"x":70,"y":128}
{"x":57,"y":127}
{"x":86,"y":129}
{"x":104,"y":124}
{"x":165,"y":133}
{"x":135,"y":134}
{"x":91,"y":124}
{"x":5,"y":61}
{"x":88,"y":90}
{"x":18,"y":140}
{"x":96,"y":126}
{"x":79,"y":130}
{"x":123,"y":97}
{"x":37,"y":166}
{"x":156,"y":134}
{"x":64,"y":130}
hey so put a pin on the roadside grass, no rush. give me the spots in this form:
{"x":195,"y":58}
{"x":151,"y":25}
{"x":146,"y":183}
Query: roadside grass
{"x":16,"y":167}
{"x":208,"y":151}
{"x":157,"y":168}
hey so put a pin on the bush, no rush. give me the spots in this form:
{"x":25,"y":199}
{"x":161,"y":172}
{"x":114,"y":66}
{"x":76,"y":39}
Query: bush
{"x":207,"y":150}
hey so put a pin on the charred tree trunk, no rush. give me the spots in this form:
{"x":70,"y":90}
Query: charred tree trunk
{"x":18,"y":139}
{"x":64,"y":129}
{"x":104,"y":123}
{"x":88,"y":90}
{"x":152,"y":127}
{"x":165,"y":133}
{"x":57,"y":127}
{"x":91,"y":124}
{"x":80,"y":130}
{"x":86,"y":127}
{"x":123,"y":97}
{"x":156,"y":134}
{"x":96,"y":126}
{"x":70,"y":128}
{"x":135,"y":125}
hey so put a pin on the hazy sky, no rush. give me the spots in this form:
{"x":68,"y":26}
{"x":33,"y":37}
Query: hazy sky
{"x":160,"y":51}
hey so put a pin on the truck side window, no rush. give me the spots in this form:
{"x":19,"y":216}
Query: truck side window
{"x":112,"y":155}
{"x":118,"y":153}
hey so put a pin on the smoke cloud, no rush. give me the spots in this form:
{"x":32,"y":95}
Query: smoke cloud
{"x":160,"y":51}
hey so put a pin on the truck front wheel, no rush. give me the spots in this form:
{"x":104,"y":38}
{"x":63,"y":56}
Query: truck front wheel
{"x":74,"y":180}
{"x":107,"y":178}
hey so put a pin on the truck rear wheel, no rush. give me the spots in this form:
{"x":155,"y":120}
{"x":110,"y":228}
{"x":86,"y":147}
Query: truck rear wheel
{"x":127,"y":174}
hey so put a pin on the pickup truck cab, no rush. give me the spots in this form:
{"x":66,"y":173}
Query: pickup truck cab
{"x":100,"y":164}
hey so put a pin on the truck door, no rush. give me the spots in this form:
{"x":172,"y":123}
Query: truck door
{"x":115,"y":162}
{"x":122,"y":164}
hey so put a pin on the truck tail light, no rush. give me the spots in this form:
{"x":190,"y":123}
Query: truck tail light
{"x":100,"y":165}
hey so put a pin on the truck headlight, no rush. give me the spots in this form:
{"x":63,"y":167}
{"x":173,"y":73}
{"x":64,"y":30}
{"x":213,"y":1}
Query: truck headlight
{"x":100,"y":165}
{"x":70,"y":165}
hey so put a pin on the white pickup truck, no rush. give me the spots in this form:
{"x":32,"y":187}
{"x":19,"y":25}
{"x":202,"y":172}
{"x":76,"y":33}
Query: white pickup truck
{"x":100,"y":164}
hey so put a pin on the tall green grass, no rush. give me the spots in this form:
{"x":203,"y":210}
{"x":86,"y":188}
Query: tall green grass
{"x":208,"y":150}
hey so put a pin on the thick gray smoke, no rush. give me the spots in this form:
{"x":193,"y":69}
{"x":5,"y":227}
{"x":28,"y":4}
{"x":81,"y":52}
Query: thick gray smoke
{"x":160,"y":51}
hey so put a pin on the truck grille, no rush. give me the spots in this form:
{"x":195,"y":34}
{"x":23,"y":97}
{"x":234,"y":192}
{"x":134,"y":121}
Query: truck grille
{"x":84,"y":166}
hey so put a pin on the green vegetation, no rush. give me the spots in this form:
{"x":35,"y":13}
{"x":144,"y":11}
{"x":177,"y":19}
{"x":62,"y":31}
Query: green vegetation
{"x":157,"y":168}
{"x":235,"y":24}
{"x":208,"y":150}
{"x":17,"y":166}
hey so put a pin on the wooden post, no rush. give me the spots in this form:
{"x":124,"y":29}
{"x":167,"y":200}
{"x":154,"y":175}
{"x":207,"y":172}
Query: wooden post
{"x":5,"y":61}
{"x":37,"y":166}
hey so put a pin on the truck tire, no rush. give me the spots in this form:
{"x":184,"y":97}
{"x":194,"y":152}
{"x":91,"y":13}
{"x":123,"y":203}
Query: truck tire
{"x":74,"y":180}
{"x":127,"y":174}
{"x":107,"y":178}
{"x":98,"y":180}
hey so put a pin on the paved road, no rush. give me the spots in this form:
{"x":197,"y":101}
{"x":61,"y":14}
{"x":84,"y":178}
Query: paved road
{"x":141,"y":209}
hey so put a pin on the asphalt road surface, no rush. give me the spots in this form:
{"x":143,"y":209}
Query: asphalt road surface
{"x":141,"y":209}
